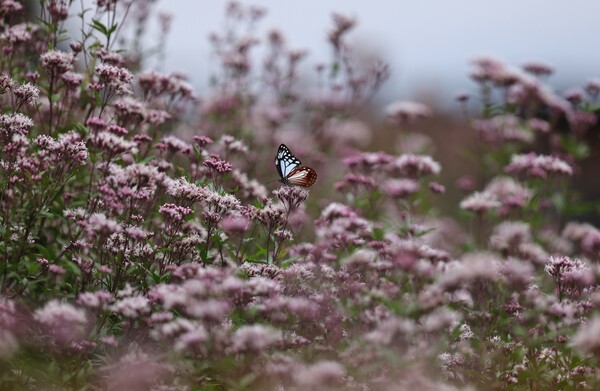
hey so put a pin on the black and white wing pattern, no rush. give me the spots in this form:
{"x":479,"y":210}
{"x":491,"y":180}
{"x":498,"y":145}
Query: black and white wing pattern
{"x":290,"y":169}
{"x":285,"y":161}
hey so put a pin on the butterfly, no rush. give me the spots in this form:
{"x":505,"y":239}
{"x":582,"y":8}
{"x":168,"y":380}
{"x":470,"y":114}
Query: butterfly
{"x":291,"y":171}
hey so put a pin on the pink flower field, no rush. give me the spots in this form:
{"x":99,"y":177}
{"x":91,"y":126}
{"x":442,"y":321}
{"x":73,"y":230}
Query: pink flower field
{"x":157,"y":237}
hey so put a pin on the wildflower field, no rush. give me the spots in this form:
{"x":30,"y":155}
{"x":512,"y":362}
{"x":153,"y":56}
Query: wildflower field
{"x":147,"y":244}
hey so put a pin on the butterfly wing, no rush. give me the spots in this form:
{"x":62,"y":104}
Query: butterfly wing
{"x":285,"y":161}
{"x":302,"y":176}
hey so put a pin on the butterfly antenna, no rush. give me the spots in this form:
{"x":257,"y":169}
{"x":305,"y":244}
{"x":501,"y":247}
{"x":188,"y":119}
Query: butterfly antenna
{"x":274,"y":180}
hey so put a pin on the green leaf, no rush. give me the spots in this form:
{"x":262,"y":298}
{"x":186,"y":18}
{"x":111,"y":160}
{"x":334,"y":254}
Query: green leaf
{"x":579,"y":149}
{"x":97,"y":25}
{"x":113,"y":28}
{"x":335,"y":69}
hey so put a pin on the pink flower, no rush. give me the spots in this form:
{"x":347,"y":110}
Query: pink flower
{"x":587,"y":337}
{"x":592,"y":87}
{"x":509,"y":192}
{"x":182,"y":189}
{"x":72,"y":80}
{"x":538,"y":165}
{"x":18,"y":34}
{"x":271,"y":214}
{"x":76,"y":46}
{"x":574,"y":95}
{"x":581,"y":121}
{"x":64,"y":322}
{"x":518,"y":273}
{"x":400,"y":188}
{"x":539,"y":125}
{"x":6,"y":83}
{"x":56,"y":62}
{"x":113,"y":144}
{"x":291,"y":196}
{"x":155,"y":84}
{"x":58,"y":9}
{"x":402,"y":112}
{"x":192,"y":340}
{"x":174,"y":213}
{"x":68,"y":148}
{"x":320,"y":374}
{"x":130,"y":111}
{"x":538,"y":68}
{"x":12,"y":124}
{"x":135,"y":181}
{"x":368,"y":161}
{"x":173,"y":145}
{"x":466,"y":183}
{"x":415,"y":166}
{"x":473,"y":267}
{"x":217,"y":165}
{"x":344,"y":132}
{"x":132,"y":306}
{"x":437,"y":188}
{"x":489,"y":69}
{"x":248,"y":188}
{"x":94,"y":300}
{"x":570,"y":275}
{"x":98,"y":223}
{"x":342,"y":24}
{"x":356,"y":183}
{"x":116,"y":77}
{"x":110,"y":57}
{"x":55,"y":269}
{"x":157,"y":117}
{"x":96,"y":123}
{"x":117,"y":130}
{"x":339,"y":226}
{"x":202,"y":140}
{"x":10,"y":7}
{"x":391,"y":331}
{"x":209,"y":310}
{"x":231,"y":145}
{"x":254,"y":338}
{"x":508,"y":235}
{"x":501,"y":129}
{"x":480,"y":202}
{"x":235,"y":225}
{"x":27,"y":94}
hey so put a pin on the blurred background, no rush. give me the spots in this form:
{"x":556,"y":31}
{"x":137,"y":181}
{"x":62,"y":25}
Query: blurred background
{"x":428,"y":43}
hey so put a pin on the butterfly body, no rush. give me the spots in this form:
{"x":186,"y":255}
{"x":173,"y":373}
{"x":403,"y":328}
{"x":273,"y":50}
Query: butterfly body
{"x":291,"y":170}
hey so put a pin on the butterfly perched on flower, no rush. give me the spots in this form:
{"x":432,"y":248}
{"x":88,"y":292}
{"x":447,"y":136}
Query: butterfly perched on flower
{"x":291,"y":170}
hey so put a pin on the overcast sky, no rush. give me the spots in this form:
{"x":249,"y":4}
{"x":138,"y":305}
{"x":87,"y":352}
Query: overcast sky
{"x":428,"y":43}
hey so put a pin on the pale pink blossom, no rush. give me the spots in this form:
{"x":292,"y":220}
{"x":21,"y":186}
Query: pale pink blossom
{"x":415,"y":166}
{"x":132,"y":306}
{"x":27,"y":94}
{"x":509,"y":235}
{"x":540,"y":166}
{"x":57,"y":62}
{"x":400,"y":188}
{"x":587,"y":337}
{"x":538,"y":68}
{"x":254,"y":338}
{"x":320,"y":374}
{"x":63,"y":321}
{"x":402,"y":112}
{"x":480,"y":202}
